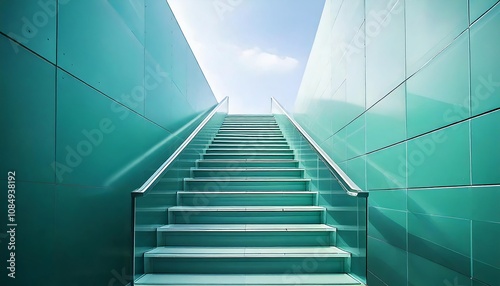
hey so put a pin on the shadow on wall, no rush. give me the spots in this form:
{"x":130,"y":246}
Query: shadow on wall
{"x":431,"y":256}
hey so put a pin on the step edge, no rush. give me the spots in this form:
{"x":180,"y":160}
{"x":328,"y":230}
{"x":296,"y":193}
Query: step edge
{"x":246,"y":209}
{"x":247,"y":169}
{"x":250,"y":179}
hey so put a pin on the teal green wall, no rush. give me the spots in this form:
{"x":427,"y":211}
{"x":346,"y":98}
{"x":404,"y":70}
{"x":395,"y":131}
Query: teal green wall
{"x":94,"y":97}
{"x":405,"y":96}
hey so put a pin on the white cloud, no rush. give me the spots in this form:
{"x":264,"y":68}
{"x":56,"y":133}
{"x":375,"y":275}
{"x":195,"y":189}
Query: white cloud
{"x":260,"y":60}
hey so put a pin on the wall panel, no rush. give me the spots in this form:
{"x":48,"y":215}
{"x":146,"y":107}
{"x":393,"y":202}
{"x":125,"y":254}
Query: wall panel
{"x":430,"y":133}
{"x":85,"y":125}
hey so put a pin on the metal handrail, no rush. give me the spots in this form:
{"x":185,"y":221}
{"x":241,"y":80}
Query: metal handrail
{"x":347,"y":184}
{"x":156,"y":175}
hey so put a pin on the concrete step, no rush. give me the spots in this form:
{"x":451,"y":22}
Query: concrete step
{"x":243,"y":260}
{"x":246,"y":235}
{"x":290,"y":279}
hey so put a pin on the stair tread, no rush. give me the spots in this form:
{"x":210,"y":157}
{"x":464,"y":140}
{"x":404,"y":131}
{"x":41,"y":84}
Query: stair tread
{"x":245,"y":227}
{"x":250,"y":154}
{"x":232,"y":138}
{"x":244,"y":126}
{"x":247,"y":147}
{"x":246,"y":135}
{"x":249,"y":160}
{"x":253,"y":149}
{"x":260,"y":141}
{"x":246,"y":152}
{"x":280,"y":140}
{"x":250,"y":193}
{"x":246,"y":208}
{"x":257,"y":129}
{"x":248,"y":169}
{"x":250,"y":128}
{"x":234,"y":143}
{"x":152,"y":209}
{"x":334,"y":279}
{"x":269,"y":252}
{"x":256,"y":126}
{"x":250,"y":179}
{"x":148,"y":227}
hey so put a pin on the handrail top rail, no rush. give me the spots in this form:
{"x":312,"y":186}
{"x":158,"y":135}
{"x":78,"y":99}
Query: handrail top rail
{"x":156,"y":175}
{"x":347,"y":184}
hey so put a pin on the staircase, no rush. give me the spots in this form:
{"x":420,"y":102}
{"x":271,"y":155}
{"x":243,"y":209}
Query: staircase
{"x":247,"y":216}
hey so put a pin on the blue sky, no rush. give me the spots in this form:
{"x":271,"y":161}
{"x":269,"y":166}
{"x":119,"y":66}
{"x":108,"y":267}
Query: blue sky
{"x":251,"y":50}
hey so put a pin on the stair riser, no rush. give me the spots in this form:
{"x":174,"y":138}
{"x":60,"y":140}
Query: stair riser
{"x":249,"y":146}
{"x":250,"y":123}
{"x":246,"y":121}
{"x":249,"y":136}
{"x":248,"y":156}
{"x":249,"y":139}
{"x":253,"y":151}
{"x":245,"y":164}
{"x":249,"y":117}
{"x":294,"y":174}
{"x":249,"y":126}
{"x":204,"y":200}
{"x":250,"y":130}
{"x":246,"y":239}
{"x":245,"y":217}
{"x":245,"y":265}
{"x":246,"y":186}
{"x":232,"y":141}
{"x":249,"y":133}
{"x":246,"y":118}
